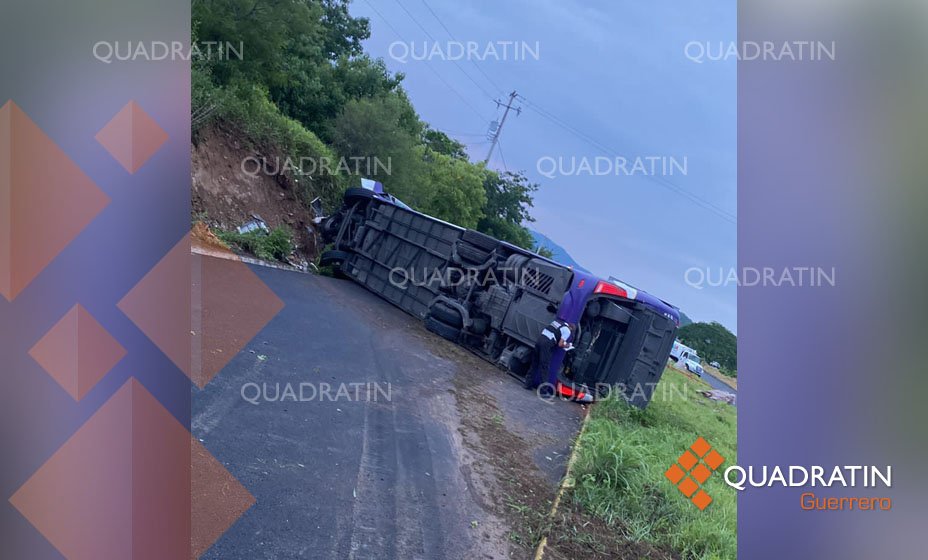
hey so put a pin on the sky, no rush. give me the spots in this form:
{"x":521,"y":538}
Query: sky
{"x":600,"y":79}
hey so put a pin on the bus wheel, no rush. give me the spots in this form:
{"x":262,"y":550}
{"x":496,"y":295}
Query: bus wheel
{"x":472,"y":254}
{"x":480,"y":240}
{"x":446,"y":314}
{"x":441,"y":329}
{"x":335,"y":260}
{"x":355,"y":194}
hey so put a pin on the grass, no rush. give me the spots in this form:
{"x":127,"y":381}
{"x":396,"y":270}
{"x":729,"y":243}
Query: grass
{"x":274,"y":246}
{"x":623,"y":456}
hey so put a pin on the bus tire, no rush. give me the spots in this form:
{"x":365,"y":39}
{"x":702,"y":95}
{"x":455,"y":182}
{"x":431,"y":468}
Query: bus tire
{"x":447,"y":315}
{"x":480,"y":240}
{"x":441,"y":329}
{"x":355,"y":194}
{"x":334,"y":258}
{"x":513,"y":266}
{"x":472,"y":254}
{"x":480,"y":326}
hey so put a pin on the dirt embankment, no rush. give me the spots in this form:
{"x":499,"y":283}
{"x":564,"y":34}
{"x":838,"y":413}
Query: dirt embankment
{"x":228,"y":187}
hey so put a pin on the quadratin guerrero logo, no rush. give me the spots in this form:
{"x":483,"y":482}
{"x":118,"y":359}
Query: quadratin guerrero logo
{"x":693,"y":469}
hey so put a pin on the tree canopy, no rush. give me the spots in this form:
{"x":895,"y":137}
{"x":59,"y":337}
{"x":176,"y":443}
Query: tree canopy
{"x":713,"y":342}
{"x":304,"y":83}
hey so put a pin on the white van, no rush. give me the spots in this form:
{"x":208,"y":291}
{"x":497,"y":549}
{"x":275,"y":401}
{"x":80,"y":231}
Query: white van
{"x":686,"y":358}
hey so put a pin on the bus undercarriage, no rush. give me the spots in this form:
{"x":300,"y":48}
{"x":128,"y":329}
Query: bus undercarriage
{"x":495,"y":298}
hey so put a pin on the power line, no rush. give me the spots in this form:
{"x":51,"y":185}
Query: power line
{"x":501,"y":156}
{"x":481,"y":134}
{"x":434,"y":40}
{"x":609,"y":151}
{"x":663,"y":181}
{"x":448,"y":31}
{"x":439,"y":76}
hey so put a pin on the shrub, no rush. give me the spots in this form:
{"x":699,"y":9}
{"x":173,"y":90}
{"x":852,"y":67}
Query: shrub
{"x":273,"y":246}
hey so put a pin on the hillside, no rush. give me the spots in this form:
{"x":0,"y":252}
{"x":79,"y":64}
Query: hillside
{"x":308,"y":114}
{"x":559,"y":254}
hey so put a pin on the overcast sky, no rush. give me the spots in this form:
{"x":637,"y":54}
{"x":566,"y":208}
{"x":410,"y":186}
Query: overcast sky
{"x":617,"y":73}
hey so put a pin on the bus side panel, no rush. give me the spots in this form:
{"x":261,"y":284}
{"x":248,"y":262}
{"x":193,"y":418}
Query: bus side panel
{"x":397,"y":255}
{"x":643,"y":355}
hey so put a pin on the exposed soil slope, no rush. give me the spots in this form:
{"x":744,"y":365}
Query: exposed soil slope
{"x":225,"y":195}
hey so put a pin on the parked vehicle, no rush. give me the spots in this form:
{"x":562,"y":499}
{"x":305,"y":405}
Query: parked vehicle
{"x":693,"y":365}
{"x":679,"y":351}
{"x":716,"y":365}
{"x":494,"y":298}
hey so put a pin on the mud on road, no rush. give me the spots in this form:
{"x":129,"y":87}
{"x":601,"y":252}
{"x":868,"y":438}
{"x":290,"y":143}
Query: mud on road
{"x":458,"y":462}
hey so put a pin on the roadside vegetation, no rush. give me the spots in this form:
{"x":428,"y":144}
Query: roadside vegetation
{"x":303,"y":91}
{"x":275,"y":245}
{"x":714,"y":343}
{"x":624,"y":452}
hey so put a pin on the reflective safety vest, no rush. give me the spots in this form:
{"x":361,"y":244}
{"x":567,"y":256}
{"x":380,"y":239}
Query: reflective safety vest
{"x":557,"y":331}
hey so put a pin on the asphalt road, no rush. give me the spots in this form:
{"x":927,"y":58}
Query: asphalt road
{"x":715,"y":383}
{"x":385,"y":468}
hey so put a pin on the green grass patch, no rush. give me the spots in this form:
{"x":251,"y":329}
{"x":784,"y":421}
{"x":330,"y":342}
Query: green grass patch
{"x":623,"y":456}
{"x":275,"y":245}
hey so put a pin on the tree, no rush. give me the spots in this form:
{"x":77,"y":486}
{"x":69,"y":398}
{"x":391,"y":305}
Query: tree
{"x":509,"y":198}
{"x":264,"y":28}
{"x":544,"y":251}
{"x":451,"y":189}
{"x":440,"y":142}
{"x":305,"y":87}
{"x":713,"y":342}
{"x":378,"y":131}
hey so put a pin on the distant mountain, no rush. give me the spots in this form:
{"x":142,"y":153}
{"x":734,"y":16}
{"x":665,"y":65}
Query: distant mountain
{"x":560,"y":254}
{"x":684,"y":320}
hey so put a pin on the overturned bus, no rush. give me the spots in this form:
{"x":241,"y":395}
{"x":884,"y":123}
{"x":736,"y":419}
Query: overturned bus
{"x":495,"y":298}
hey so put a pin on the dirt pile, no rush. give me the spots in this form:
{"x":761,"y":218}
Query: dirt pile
{"x":228,"y":188}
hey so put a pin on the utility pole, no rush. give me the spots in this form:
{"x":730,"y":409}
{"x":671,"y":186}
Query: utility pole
{"x":499,"y":129}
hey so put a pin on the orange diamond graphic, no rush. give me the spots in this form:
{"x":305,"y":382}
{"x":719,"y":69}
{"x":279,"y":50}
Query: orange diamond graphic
{"x":700,"y":473}
{"x":77,"y":352}
{"x":674,"y":474}
{"x":687,"y":460}
{"x":218,"y":499}
{"x":713,"y":459}
{"x":700,"y":447}
{"x":119,"y":487}
{"x":702,"y":500}
{"x":45,"y":200}
{"x":200,"y":311}
{"x":688,"y":486}
{"x":132,"y":137}
{"x":131,"y":483}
